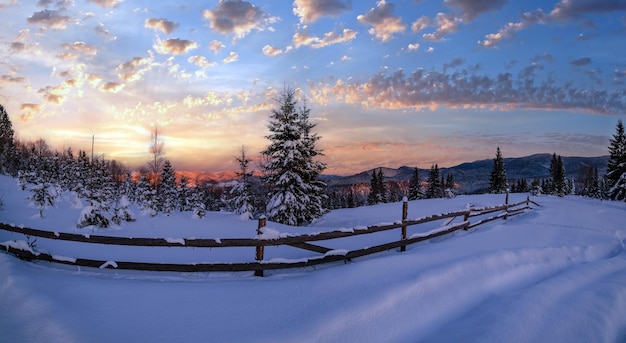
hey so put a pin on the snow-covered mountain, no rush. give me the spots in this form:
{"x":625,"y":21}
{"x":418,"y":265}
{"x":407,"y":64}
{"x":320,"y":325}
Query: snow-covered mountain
{"x":474,"y":176}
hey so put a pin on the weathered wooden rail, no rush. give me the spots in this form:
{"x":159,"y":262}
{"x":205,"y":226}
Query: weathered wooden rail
{"x":259,"y":265}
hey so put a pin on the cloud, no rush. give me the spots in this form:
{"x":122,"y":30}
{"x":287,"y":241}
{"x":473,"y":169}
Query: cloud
{"x":510,"y":29}
{"x":216,"y":46}
{"x":421,"y":23}
{"x":162,"y":24}
{"x":470,"y":9}
{"x":201,"y":62}
{"x":446,"y":23}
{"x":570,"y":9}
{"x":13,"y":79}
{"x":237,"y":17}
{"x":384,"y":24}
{"x":112,"y":87}
{"x":581,"y":62}
{"x":18,"y":46}
{"x":232,"y":57}
{"x":269,"y":50}
{"x":81,"y":47}
{"x":105,"y":32}
{"x":54,"y":95}
{"x":310,"y":11}
{"x":174,"y":46}
{"x":94,"y":79}
{"x":330,"y":38}
{"x":134,"y":69}
{"x":413,"y":47}
{"x":564,"y":10}
{"x":28,"y":111}
{"x":106,"y":3}
{"x":464,"y":89}
{"x":50,"y":19}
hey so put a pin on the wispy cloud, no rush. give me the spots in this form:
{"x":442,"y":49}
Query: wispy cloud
{"x":269,"y":50}
{"x":330,"y":38}
{"x":106,"y":3}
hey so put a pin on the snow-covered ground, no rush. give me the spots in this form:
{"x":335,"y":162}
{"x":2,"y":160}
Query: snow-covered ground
{"x":553,"y":274}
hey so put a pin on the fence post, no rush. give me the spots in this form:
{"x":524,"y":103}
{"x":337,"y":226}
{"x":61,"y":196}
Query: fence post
{"x":260,"y":247}
{"x":506,"y":204}
{"x":405,"y":212}
{"x":466,"y":218}
{"x":527,"y":200}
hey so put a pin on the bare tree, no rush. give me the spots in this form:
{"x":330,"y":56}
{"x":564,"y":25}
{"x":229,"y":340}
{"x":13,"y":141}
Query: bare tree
{"x":156,"y":163}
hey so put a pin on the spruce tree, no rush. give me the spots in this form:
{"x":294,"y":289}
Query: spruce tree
{"x":372,"y":197}
{"x":498,"y":183}
{"x":167,"y":191}
{"x":381,"y":189}
{"x":291,"y":172}
{"x":415,"y":188}
{"x":241,"y":193}
{"x":616,"y":166}
{"x":434,"y":186}
{"x":8,"y":150}
{"x":557,"y":183}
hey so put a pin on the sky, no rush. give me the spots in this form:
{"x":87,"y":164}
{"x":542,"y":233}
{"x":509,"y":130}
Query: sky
{"x":389,"y":83}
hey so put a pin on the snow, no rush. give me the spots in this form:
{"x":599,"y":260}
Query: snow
{"x":556,"y":273}
{"x":180,"y":241}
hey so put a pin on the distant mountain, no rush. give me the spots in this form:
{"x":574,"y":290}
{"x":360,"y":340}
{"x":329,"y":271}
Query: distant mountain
{"x":474,"y":176}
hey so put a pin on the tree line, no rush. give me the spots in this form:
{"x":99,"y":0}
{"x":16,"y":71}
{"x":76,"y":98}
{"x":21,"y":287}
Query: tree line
{"x":588,"y":183}
{"x":290,"y":190}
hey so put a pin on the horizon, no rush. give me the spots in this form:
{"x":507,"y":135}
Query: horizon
{"x":388,"y":82}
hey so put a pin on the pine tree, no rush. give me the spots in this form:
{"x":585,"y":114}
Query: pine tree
{"x":415,"y":188}
{"x":242,"y":192}
{"x":434,"y":185}
{"x":184,"y":195}
{"x":616,"y":167}
{"x":498,"y":183}
{"x":146,"y":196}
{"x":291,"y":171}
{"x":557,"y":182}
{"x":449,"y":188}
{"x":167,"y":191}
{"x":381,"y":190}
{"x":372,"y":198}
{"x":198,"y":203}
{"x":8,"y":150}
{"x":99,"y":194}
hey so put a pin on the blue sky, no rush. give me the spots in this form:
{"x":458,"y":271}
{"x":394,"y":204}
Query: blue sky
{"x":390,"y":83}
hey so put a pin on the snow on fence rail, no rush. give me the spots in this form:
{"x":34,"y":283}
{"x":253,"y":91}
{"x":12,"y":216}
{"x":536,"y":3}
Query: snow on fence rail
{"x":23,"y":251}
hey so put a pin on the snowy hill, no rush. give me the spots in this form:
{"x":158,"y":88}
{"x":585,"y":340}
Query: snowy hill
{"x":554,"y":274}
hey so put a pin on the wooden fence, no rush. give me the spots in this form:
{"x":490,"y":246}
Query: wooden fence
{"x":259,"y":265}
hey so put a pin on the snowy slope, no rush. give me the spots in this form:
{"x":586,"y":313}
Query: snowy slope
{"x":554,"y":274}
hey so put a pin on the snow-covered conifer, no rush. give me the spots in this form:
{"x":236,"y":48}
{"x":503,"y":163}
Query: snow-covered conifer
{"x":168,"y":192}
{"x":291,"y":171}
{"x":616,"y":166}
{"x":241,"y":194}
{"x":498,"y":182}
{"x":433,"y":189}
{"x":415,"y":188}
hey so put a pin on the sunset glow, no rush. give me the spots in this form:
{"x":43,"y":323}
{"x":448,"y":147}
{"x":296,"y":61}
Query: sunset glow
{"x":390,"y":83}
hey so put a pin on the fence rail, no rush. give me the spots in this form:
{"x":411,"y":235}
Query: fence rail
{"x":297,"y":241}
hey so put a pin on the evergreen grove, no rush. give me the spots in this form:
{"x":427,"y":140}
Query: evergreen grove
{"x":290,"y":190}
